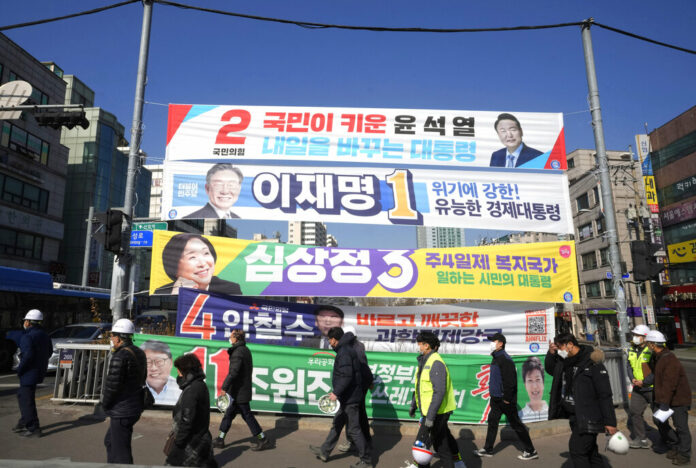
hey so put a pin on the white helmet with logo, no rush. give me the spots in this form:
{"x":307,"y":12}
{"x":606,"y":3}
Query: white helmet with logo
{"x":655,"y":336}
{"x":124,"y":326}
{"x":618,"y":443}
{"x":34,"y":314}
{"x":641,"y":330}
{"x":421,"y":454}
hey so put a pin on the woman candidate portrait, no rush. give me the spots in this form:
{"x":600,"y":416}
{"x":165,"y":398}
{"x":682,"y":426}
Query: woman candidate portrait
{"x":533,"y":378}
{"x":189,"y":261}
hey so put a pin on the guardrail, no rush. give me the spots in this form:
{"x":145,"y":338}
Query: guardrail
{"x":80,"y":373}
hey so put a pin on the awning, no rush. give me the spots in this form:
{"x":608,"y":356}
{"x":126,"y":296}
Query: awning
{"x":38,"y":282}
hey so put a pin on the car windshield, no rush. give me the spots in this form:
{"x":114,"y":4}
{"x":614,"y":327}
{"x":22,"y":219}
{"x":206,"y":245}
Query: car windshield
{"x":75,"y":332}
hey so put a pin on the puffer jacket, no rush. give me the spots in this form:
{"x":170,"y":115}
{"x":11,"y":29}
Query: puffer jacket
{"x":238,"y":381}
{"x":365,"y":372}
{"x":124,"y":384}
{"x":347,"y":376}
{"x":671,"y":385}
{"x":193,"y":443}
{"x":591,"y":390}
{"x":35,"y":349}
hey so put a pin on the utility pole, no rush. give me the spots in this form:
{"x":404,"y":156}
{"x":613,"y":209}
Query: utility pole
{"x":88,"y":244}
{"x":607,"y":196}
{"x":120,"y":286}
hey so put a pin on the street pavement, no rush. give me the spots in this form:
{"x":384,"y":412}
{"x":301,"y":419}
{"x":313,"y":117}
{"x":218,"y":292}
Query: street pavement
{"x":72,"y":433}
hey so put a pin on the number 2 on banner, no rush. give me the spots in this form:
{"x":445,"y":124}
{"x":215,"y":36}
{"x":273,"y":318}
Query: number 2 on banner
{"x":404,"y":211}
{"x":223,"y":136}
{"x":205,"y":330}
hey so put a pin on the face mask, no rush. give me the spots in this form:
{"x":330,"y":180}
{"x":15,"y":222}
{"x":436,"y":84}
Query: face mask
{"x":562,"y":353}
{"x":493,"y":346}
{"x":637,"y":340}
{"x":180,"y":380}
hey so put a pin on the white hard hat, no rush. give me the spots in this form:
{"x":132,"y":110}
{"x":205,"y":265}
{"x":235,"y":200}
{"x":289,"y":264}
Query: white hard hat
{"x":641,"y":330}
{"x":34,"y":314}
{"x":421,"y":454}
{"x":618,"y":443}
{"x":655,"y":336}
{"x":123,"y":326}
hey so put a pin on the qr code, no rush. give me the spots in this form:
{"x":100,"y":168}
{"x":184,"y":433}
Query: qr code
{"x":536,"y":325}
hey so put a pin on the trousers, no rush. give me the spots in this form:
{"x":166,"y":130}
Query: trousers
{"x":443,"y":441}
{"x":639,"y":401}
{"x":245,"y":410}
{"x":349,"y":416}
{"x":584,"y":452}
{"x":678,"y":438}
{"x":498,"y":408}
{"x":26,"y":397}
{"x":118,"y":440}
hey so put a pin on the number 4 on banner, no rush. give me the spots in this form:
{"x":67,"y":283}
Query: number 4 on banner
{"x":205,"y":330}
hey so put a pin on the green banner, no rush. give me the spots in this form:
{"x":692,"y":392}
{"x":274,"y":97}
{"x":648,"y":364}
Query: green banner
{"x":291,"y":379}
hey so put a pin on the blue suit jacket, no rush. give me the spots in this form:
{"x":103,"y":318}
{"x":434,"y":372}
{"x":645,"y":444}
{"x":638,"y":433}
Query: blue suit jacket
{"x":36,"y":348}
{"x":526,"y":155}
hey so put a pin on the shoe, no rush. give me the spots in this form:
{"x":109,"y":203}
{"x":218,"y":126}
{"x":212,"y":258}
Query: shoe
{"x":219,"y":442}
{"x":318,"y":452}
{"x":346,"y":447}
{"x":261,"y":444}
{"x":639,"y":444}
{"x":35,"y":433}
{"x":361,"y":464}
{"x":19,"y":428}
{"x":483,"y":453}
{"x":528,"y":455}
{"x":672,"y":454}
{"x":681,"y":460}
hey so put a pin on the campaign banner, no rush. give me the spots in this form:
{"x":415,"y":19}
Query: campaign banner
{"x":291,"y":380}
{"x":537,"y":272}
{"x":462,"y":328}
{"x":682,"y":252}
{"x":482,"y":199}
{"x":365,"y":136}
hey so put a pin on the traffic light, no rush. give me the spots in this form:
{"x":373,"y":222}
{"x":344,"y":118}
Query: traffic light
{"x":110,"y":235}
{"x":645,"y":265}
{"x":56,"y":119}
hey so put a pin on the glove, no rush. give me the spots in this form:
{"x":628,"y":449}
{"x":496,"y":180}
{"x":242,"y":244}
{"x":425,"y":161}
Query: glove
{"x":429,"y":423}
{"x":424,"y":435}
{"x":412,"y":412}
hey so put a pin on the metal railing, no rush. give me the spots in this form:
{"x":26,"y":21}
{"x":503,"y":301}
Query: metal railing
{"x":81,"y":371}
{"x":617,"y":375}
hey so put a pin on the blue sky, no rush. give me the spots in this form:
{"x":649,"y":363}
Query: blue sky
{"x":200,"y":58}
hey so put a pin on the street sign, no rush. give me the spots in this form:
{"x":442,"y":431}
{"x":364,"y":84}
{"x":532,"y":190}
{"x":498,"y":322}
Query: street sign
{"x":161,"y":226}
{"x":650,"y":315}
{"x":610,"y":276}
{"x":141,"y":239}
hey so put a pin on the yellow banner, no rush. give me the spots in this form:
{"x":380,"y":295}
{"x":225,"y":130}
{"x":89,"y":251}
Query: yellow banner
{"x":650,"y":192}
{"x":540,"y":272}
{"x":683,"y":252}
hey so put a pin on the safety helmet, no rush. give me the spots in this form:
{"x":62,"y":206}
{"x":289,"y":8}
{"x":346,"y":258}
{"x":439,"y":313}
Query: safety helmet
{"x":655,"y":336}
{"x":124,"y":326}
{"x":34,"y":314}
{"x":421,"y":454}
{"x":641,"y":330}
{"x":618,"y":443}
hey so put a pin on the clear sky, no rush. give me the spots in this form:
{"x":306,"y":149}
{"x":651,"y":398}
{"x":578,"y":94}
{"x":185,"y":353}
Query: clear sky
{"x":202,"y":58}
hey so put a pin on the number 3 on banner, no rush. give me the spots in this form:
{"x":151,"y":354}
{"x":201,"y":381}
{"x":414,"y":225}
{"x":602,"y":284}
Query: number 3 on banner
{"x":404,"y":211}
{"x":205,"y":330}
{"x":223,"y":136}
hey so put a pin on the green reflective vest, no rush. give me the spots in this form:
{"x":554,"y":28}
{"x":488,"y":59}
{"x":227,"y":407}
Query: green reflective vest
{"x":424,"y":387}
{"x":636,"y":361}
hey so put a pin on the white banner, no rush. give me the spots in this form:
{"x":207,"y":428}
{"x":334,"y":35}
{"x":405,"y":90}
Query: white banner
{"x":473,"y":198}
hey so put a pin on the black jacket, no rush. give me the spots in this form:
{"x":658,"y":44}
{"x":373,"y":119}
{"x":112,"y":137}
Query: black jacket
{"x":347,"y":377}
{"x":589,"y":383}
{"x":123,"y":387}
{"x":35,"y":349}
{"x":193,"y":443}
{"x":365,"y":372}
{"x":503,"y":377}
{"x":238,"y":381}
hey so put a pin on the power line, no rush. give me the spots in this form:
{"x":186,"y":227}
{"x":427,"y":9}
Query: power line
{"x":642,"y":38}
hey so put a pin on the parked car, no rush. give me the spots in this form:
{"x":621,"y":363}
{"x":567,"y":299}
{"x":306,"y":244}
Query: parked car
{"x":87,"y":332}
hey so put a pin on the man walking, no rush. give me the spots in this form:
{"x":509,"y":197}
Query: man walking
{"x":434,"y":397}
{"x":503,"y":399}
{"x":642,"y":395}
{"x":35,"y":349}
{"x":237,"y":385}
{"x":672,"y":392}
{"x":347,"y":389}
{"x":581,"y":393}
{"x":124,"y":387}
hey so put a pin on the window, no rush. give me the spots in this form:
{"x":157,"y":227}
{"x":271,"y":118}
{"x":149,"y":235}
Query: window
{"x":585,"y":231}
{"x":25,"y":143}
{"x":595,"y":192}
{"x":608,"y":288}
{"x":600,"y":225}
{"x":592,"y":289}
{"x":37,"y":96}
{"x":604,"y":257}
{"x":571,"y":163}
{"x":583,"y":202}
{"x":19,"y":193}
{"x":589,"y":261}
{"x":20,"y":244}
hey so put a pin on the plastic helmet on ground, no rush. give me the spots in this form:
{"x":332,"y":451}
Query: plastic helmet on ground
{"x":618,"y":443}
{"x":124,"y":326}
{"x":641,"y":330}
{"x":655,"y":336}
{"x":421,"y":454}
{"x":34,"y":314}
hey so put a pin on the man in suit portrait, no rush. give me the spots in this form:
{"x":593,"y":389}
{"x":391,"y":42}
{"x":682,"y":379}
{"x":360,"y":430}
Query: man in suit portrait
{"x":222,"y":184}
{"x":326,"y":317}
{"x":515,"y":153}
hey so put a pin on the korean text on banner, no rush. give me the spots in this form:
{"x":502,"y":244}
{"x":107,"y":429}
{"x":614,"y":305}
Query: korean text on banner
{"x":461,"y":328}
{"x":365,"y":136}
{"x":682,"y":252}
{"x":291,"y":380}
{"x":539,"y":272}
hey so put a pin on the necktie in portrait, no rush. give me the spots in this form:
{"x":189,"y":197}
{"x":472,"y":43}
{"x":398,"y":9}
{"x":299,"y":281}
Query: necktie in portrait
{"x":510,"y":161}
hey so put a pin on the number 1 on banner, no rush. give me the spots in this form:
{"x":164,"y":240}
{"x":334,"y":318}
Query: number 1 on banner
{"x":205,"y":330}
{"x":404,"y":211}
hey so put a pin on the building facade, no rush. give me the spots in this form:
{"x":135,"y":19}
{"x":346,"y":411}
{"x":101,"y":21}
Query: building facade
{"x":673,"y":159}
{"x":436,"y":237}
{"x":33,"y":170}
{"x":307,"y":233}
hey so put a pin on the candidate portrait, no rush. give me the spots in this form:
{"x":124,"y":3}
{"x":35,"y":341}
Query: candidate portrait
{"x":515,"y":153}
{"x":223,"y":182}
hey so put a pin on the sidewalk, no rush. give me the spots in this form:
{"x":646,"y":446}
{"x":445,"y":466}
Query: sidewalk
{"x":685,"y":353}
